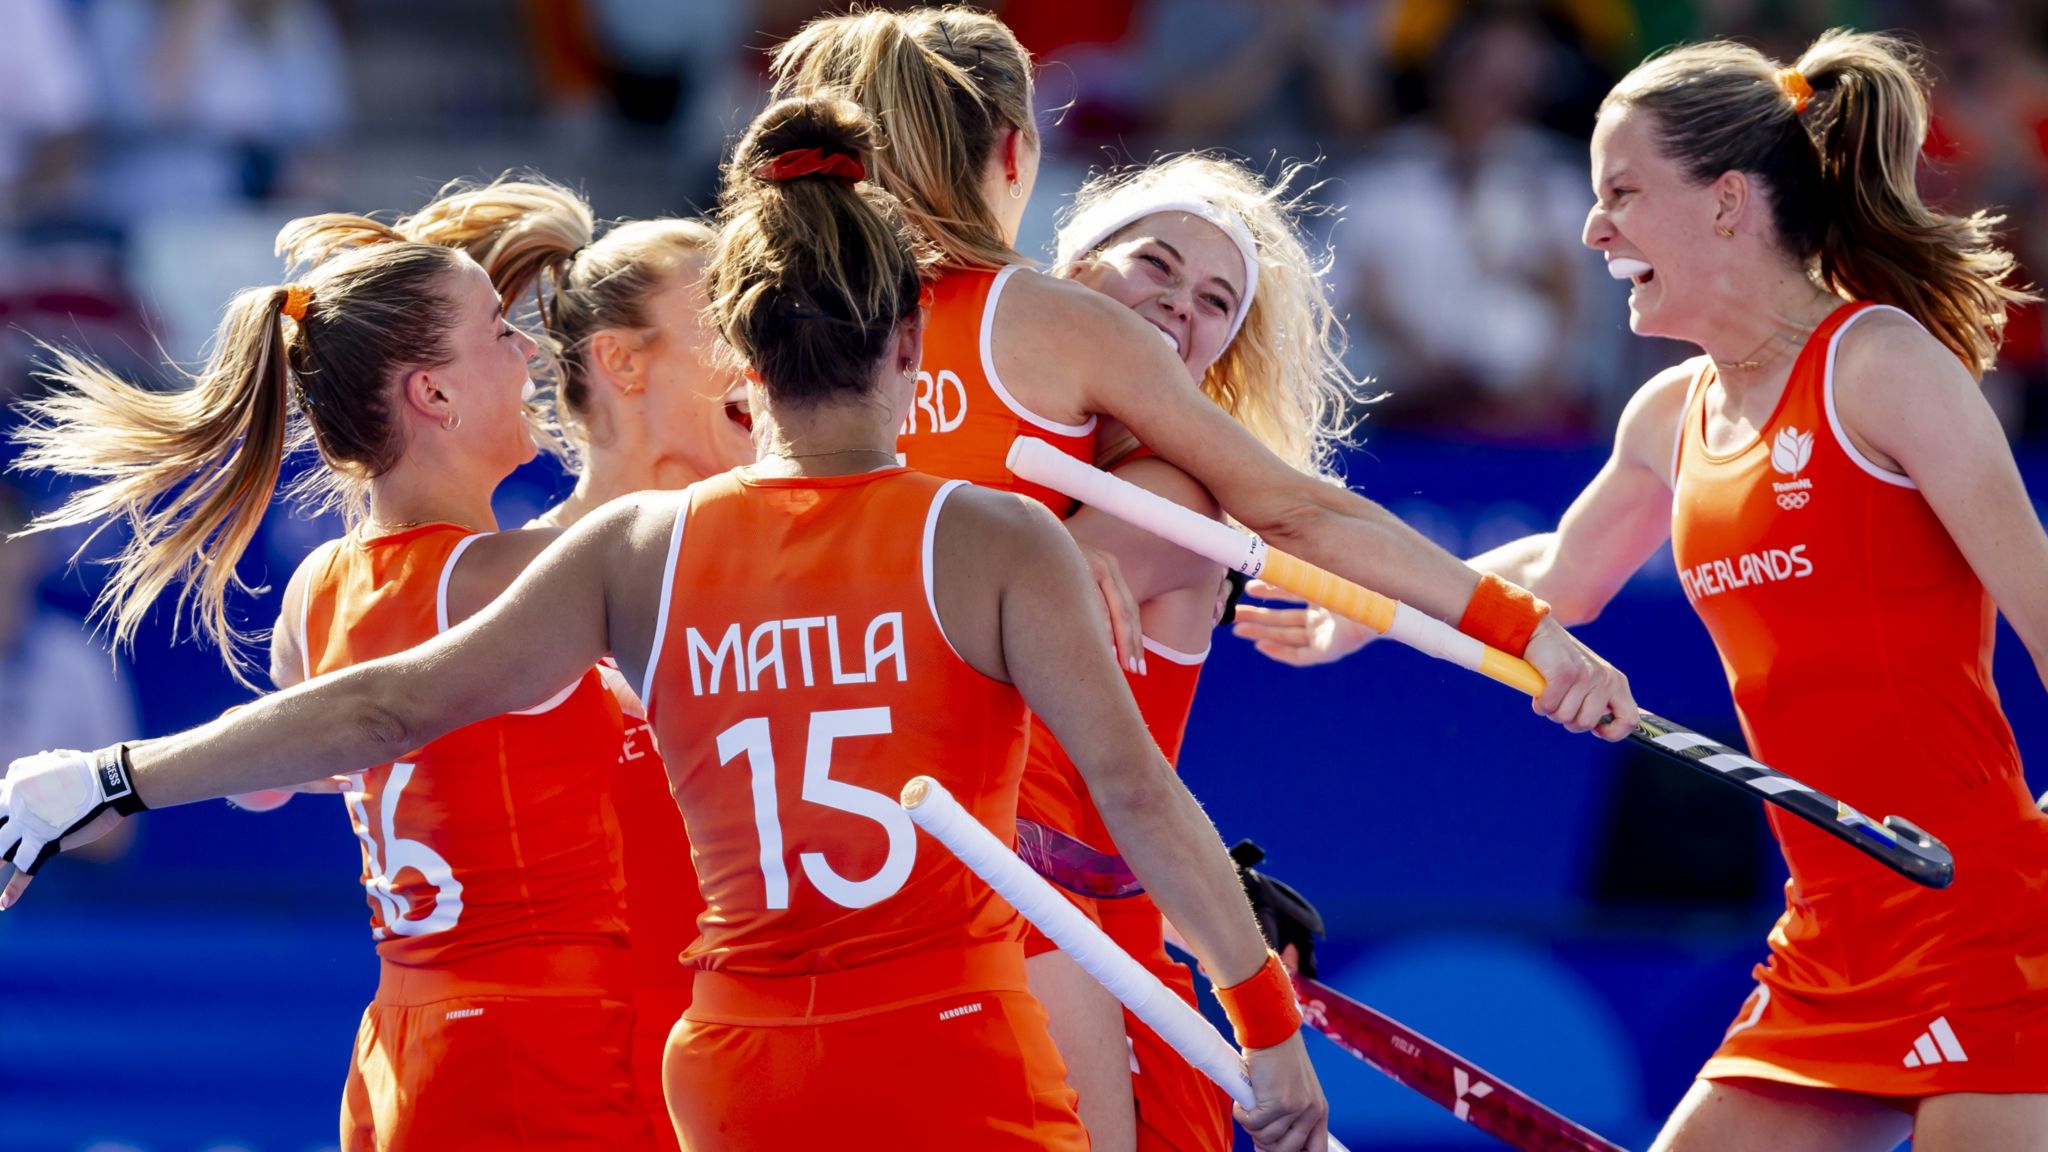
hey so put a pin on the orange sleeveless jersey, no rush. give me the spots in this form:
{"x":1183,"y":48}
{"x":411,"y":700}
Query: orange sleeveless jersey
{"x":1178,"y":1109}
{"x":1053,"y":792}
{"x":662,"y":902}
{"x":799,"y":680}
{"x":963,"y":419}
{"x":1856,"y":639}
{"x":495,"y":835}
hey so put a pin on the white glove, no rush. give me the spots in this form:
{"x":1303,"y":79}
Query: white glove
{"x":53,"y":802}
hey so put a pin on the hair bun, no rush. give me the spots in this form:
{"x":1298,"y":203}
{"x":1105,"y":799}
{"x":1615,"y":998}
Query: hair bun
{"x":810,"y":136}
{"x":800,"y":162}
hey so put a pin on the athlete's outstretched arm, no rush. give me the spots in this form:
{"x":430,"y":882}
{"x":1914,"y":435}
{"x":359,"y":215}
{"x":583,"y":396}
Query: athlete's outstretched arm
{"x":548,"y":629}
{"x":1907,"y":402}
{"x":1617,"y":523}
{"x":1129,"y":373}
{"x":1613,"y":527}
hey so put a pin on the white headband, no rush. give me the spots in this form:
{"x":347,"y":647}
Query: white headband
{"x":1105,"y":218}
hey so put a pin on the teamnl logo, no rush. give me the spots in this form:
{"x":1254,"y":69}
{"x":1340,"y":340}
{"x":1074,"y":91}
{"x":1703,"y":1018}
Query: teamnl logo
{"x":1789,"y":455}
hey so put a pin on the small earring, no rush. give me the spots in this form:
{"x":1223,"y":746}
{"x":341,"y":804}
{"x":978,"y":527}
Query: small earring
{"x":451,"y":423}
{"x":1016,"y":189}
{"x":1725,"y":231}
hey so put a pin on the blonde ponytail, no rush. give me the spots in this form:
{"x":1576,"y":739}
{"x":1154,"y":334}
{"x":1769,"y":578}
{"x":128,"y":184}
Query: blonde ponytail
{"x":943,"y":84}
{"x":191,"y":471}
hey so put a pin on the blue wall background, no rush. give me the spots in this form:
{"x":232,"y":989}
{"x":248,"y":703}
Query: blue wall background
{"x":1475,"y":863}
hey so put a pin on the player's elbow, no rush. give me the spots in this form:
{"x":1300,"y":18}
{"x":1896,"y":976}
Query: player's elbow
{"x":1135,"y":791}
{"x":380,"y":717}
{"x":1290,"y":519}
{"x":384,"y":728}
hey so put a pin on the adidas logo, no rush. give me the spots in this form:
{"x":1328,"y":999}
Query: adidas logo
{"x":1935,"y":1045}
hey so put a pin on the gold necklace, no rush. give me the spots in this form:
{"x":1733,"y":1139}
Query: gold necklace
{"x":375,"y":527}
{"x":1795,"y":340}
{"x":834,"y":452}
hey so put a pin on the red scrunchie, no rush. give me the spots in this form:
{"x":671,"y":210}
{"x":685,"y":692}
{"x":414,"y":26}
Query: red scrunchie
{"x":812,"y":162}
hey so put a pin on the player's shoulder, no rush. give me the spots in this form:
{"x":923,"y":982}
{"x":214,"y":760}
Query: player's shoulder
{"x":1649,"y":422}
{"x":1077,"y":313}
{"x":996,"y":515}
{"x":1887,"y":346}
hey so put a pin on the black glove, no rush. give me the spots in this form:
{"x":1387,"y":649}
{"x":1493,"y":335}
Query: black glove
{"x":1284,"y":915}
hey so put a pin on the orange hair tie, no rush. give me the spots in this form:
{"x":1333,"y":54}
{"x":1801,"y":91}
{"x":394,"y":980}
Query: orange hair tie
{"x":296,"y":298}
{"x":1794,"y":84}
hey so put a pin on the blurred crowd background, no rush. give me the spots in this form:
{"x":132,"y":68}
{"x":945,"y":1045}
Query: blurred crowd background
{"x":1579,"y":921}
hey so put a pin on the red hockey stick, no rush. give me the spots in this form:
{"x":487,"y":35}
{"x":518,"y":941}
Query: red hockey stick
{"x":1472,"y":1094}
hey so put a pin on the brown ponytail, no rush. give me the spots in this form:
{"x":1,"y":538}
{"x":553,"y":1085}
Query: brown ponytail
{"x":943,"y":83}
{"x":1837,"y":174}
{"x":192,"y":471}
{"x":812,"y":274}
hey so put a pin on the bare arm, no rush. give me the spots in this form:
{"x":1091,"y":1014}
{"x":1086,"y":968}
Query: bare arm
{"x":1617,"y":523}
{"x":1008,"y":580}
{"x":489,"y":566}
{"x":1613,"y":526}
{"x":1057,"y":660}
{"x":550,"y":628}
{"x":1129,"y":374}
{"x":1151,"y":566}
{"x":1908,"y":404}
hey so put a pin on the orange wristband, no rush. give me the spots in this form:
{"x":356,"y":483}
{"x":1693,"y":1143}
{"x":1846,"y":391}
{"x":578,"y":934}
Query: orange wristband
{"x":1502,"y":615}
{"x":1262,"y":1010}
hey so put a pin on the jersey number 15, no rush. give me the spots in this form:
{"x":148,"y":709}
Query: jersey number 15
{"x":750,"y":736}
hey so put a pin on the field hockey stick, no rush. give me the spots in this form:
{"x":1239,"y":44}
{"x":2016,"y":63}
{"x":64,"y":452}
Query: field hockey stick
{"x":1074,"y":865}
{"x":933,"y":809}
{"x":1467,"y":1091}
{"x":1897,"y":843}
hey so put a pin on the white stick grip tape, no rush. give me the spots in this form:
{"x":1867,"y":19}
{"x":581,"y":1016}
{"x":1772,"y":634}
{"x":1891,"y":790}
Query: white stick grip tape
{"x":933,"y":809}
{"x":1426,"y":633}
{"x":1041,"y":463}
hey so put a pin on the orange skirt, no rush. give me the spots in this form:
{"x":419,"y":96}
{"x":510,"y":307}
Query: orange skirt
{"x":942,"y":1051}
{"x":529,"y":1048}
{"x":1878,"y":986}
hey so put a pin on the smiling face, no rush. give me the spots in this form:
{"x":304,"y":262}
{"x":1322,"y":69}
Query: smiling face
{"x":1179,"y":272}
{"x":486,"y":379}
{"x":695,"y":410}
{"x":1654,"y":226}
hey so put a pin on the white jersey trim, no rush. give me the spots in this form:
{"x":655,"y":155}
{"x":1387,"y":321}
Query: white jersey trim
{"x":1174,"y":654}
{"x":447,"y":573}
{"x":1827,"y":392}
{"x":306,"y":612}
{"x":995,"y":382}
{"x":931,"y":531}
{"x":1699,"y":375}
{"x":441,"y":624}
{"x":668,"y":588}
